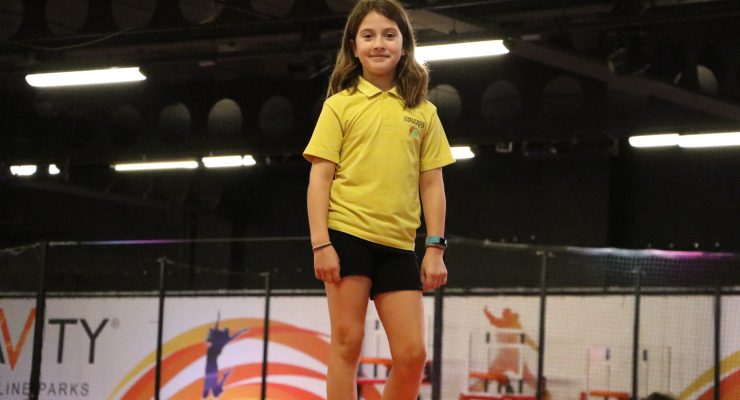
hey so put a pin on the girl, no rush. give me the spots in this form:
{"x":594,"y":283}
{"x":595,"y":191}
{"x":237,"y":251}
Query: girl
{"x":378,"y":147}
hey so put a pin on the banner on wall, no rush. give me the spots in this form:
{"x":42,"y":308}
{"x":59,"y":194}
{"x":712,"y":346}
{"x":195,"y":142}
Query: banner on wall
{"x":105,"y":348}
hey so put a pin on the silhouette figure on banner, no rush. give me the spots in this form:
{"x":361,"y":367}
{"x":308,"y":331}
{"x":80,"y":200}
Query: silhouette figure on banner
{"x":506,"y":359}
{"x":217,"y":339}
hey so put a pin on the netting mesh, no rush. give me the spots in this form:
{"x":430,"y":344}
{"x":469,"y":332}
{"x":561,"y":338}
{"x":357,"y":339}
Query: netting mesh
{"x":591,"y":298}
{"x":517,"y":320}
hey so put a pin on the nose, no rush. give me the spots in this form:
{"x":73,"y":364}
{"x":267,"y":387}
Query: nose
{"x":378,"y":43}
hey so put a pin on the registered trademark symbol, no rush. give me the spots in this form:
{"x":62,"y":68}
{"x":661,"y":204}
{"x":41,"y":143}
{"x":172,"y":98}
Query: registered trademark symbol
{"x":115,"y":323}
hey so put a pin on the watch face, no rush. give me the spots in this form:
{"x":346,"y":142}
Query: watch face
{"x":436,"y":240}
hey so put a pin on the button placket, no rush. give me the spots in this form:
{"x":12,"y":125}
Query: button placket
{"x":385,"y":111}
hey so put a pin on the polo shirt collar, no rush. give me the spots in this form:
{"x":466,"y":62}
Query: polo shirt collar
{"x":370,"y":90}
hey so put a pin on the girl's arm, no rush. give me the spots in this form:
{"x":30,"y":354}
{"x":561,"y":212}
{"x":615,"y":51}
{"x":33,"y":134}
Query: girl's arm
{"x":326,"y":261}
{"x":434,"y":203}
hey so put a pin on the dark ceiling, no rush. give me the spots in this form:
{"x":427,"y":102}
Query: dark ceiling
{"x":229,"y":76}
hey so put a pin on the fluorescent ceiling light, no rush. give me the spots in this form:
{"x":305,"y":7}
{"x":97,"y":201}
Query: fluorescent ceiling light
{"x":662,"y":140}
{"x":90,"y":77}
{"x":53,"y":169}
{"x":710,"y":140}
{"x":462,"y":152}
{"x":460,"y":50}
{"x":22,"y":170}
{"x":156,"y":166}
{"x":248,"y":161}
{"x":228,"y":161}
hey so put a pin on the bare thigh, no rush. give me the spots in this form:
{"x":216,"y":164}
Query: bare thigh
{"x":348,"y":301}
{"x":402,"y":314}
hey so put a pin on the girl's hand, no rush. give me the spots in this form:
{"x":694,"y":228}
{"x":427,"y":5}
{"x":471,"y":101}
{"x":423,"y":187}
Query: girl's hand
{"x":433,"y":270}
{"x":326,"y":264}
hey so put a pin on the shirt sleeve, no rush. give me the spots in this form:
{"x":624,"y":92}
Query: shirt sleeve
{"x":326,"y":139}
{"x":435,"y":150}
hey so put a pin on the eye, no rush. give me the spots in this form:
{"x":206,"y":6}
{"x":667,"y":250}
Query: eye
{"x":391,"y":35}
{"x":366,"y":35}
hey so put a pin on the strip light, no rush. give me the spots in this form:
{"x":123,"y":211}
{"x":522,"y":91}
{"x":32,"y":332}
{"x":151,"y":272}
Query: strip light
{"x":460,"y":50}
{"x":662,"y":140}
{"x":462,"y":152}
{"x":710,"y":140}
{"x":22,"y":170}
{"x":89,"y":77}
{"x":228,"y":161}
{"x":156,"y":166}
{"x":687,"y":141}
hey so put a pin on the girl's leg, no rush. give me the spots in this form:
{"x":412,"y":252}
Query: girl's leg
{"x":347,"y":308}
{"x":402,"y":314}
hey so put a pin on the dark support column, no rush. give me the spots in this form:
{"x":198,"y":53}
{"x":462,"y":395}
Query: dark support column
{"x":38,"y":328}
{"x":437,"y":350}
{"x":266,"y":335}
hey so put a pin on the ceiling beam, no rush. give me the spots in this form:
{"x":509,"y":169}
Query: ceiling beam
{"x":631,"y":84}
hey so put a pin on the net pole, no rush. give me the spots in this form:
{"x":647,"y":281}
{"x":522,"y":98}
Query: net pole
{"x":717,"y":340}
{"x":160,"y":328}
{"x":38,"y":328}
{"x":636,"y":333}
{"x":265,"y":335}
{"x":437,"y":349}
{"x":543,"y":309}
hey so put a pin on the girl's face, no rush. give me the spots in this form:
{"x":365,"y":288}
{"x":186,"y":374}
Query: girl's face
{"x":379,"y":47}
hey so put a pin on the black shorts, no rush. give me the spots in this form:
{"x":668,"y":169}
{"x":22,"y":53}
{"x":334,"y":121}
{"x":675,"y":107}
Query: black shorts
{"x":389,"y":268}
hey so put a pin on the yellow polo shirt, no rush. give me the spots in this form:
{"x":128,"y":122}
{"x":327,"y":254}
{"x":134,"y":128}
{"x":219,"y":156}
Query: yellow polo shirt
{"x":380,"y":148}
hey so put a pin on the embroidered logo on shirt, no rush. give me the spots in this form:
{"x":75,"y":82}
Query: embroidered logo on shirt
{"x":416,"y":126}
{"x":417,"y":122}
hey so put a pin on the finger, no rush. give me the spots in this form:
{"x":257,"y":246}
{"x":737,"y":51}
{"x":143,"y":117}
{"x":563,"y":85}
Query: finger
{"x":335,"y":275}
{"x":431,"y":281}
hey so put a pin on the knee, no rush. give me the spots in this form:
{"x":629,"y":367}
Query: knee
{"x":411,"y":357}
{"x":347,"y":341}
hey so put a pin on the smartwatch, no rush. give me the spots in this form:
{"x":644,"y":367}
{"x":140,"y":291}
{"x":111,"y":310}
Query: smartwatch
{"x":436,"y":241}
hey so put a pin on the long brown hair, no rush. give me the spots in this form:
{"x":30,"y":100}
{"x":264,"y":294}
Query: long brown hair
{"x":412,"y":78}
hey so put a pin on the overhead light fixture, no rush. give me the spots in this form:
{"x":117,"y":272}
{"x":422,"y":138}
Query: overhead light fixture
{"x":462,"y":152}
{"x":686,"y":141}
{"x":156,"y":166}
{"x":53,"y":169}
{"x":460,"y":50}
{"x":22,"y":170}
{"x":660,"y":140}
{"x":710,"y":140}
{"x":89,"y":77}
{"x":228,"y":161}
{"x":248,"y":161}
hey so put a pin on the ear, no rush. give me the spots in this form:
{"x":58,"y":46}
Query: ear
{"x":354,"y":47}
